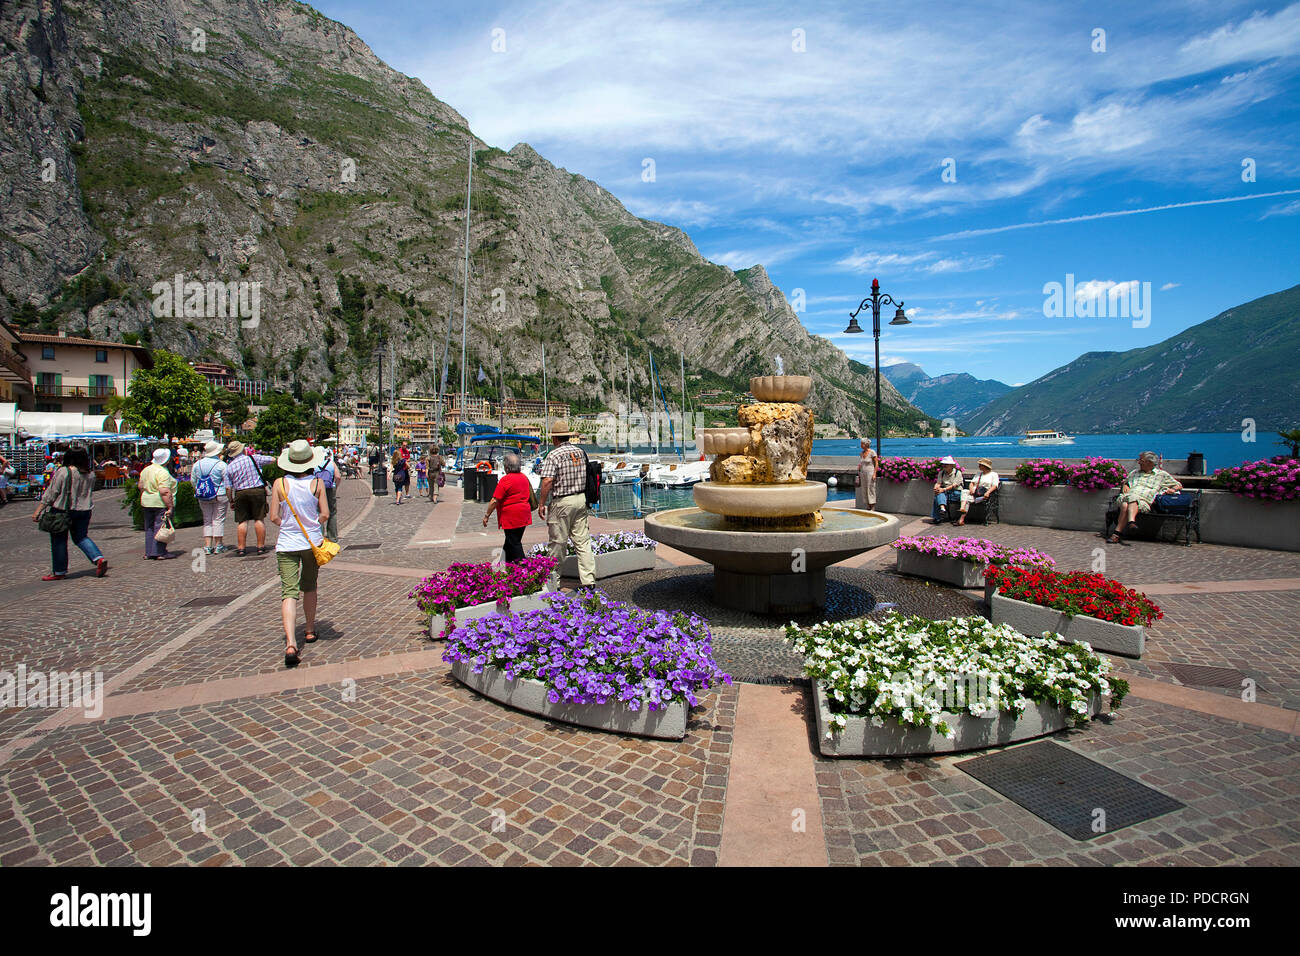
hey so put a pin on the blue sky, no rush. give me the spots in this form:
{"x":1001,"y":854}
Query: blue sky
{"x":826,"y":164}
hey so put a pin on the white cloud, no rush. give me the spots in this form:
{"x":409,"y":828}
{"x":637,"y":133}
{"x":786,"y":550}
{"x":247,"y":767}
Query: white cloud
{"x":927,"y":263}
{"x":1170,"y":285}
{"x":1283,"y":209}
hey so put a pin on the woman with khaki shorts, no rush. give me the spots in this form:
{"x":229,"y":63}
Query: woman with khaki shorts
{"x":299,"y":507}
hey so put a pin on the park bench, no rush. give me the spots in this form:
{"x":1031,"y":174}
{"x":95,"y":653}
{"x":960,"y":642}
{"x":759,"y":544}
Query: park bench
{"x":1164,"y":522}
{"x":981,"y":512}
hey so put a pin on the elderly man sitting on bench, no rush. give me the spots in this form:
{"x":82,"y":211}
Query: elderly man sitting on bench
{"x":1140,"y":490}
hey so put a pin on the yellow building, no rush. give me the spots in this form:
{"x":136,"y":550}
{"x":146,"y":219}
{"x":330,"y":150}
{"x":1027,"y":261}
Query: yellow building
{"x":71,"y":374}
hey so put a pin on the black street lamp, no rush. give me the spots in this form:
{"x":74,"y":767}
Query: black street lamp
{"x":875,"y":301}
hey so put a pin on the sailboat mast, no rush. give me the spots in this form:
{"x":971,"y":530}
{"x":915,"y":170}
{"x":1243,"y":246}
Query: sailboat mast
{"x":546,"y":405}
{"x":681,"y":357}
{"x":464,"y":312}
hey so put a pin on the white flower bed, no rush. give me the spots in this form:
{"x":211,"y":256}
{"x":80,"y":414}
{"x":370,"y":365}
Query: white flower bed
{"x":912,"y":670}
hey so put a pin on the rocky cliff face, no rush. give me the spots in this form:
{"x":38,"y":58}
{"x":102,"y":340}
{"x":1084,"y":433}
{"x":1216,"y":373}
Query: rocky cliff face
{"x":262,"y":143}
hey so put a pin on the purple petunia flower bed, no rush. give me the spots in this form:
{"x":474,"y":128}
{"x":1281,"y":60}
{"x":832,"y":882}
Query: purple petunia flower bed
{"x":589,"y":649}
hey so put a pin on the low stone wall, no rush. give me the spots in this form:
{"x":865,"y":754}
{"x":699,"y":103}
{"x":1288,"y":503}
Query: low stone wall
{"x":1034,"y":620}
{"x":860,"y":738}
{"x":1225,"y":518}
{"x":1230,"y":519}
{"x":668,"y":723}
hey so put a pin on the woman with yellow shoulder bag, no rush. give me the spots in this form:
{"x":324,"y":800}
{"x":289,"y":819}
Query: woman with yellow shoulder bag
{"x":299,"y":507}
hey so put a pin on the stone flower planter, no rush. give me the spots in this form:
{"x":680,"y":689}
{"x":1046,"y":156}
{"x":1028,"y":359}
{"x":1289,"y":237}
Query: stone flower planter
{"x":1247,"y":523}
{"x":954,"y":571}
{"x":904,"y":497}
{"x":1058,"y":506}
{"x":463,"y":615}
{"x":1033,"y":620}
{"x":612,"y":562}
{"x":860,"y":738}
{"x":530,"y":696}
{"x":522,"y":603}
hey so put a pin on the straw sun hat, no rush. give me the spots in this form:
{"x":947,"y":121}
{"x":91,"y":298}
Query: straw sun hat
{"x":300,"y":456}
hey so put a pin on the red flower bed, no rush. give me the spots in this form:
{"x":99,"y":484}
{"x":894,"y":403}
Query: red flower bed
{"x":1075,"y":592}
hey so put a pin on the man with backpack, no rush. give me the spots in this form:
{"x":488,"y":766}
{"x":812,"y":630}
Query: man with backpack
{"x":209,"y":478}
{"x":565,"y":495}
{"x":328,"y":473}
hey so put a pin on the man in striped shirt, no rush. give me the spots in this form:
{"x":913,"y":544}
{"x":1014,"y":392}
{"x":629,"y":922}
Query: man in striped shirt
{"x":564,"y":480}
{"x":247,"y":493}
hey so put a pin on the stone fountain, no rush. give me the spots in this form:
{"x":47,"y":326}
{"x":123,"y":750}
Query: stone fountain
{"x":760,"y":522}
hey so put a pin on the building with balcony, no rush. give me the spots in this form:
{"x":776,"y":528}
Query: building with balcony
{"x":72,"y":374}
{"x":224,"y":377}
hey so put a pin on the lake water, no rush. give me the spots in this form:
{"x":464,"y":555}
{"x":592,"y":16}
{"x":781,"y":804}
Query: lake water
{"x":1221,"y":450}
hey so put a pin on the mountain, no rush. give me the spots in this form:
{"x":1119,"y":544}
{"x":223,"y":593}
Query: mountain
{"x":956,"y":396}
{"x":261,"y":142}
{"x":1239,"y":365}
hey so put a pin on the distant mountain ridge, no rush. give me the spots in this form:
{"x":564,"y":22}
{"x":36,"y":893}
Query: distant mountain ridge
{"x":956,"y":395}
{"x":1212,"y":377}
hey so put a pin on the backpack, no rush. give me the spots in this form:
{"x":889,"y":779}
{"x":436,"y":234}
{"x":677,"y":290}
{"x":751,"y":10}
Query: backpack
{"x":594,"y":476}
{"x":205,"y":488}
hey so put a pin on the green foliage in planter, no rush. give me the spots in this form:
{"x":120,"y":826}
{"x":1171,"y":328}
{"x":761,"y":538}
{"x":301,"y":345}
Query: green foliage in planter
{"x":187,"y":513}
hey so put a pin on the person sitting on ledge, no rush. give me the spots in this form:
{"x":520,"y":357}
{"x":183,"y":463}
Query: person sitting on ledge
{"x":949,"y":479}
{"x":1139,"y":491}
{"x":981,"y":486}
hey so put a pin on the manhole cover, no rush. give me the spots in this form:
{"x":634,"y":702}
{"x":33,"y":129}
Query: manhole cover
{"x":1203,"y":675}
{"x":217,"y":601}
{"x":362,"y":547}
{"x":1078,"y":796}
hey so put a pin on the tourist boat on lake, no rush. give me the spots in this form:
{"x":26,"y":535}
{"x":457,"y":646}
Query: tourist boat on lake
{"x":1041,"y":436}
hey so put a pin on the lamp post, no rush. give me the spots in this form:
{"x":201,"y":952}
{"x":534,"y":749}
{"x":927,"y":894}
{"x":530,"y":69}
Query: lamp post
{"x":380,"y":354}
{"x":876,"y":300}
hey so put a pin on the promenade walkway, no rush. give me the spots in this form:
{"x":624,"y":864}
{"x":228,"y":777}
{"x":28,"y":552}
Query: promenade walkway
{"x":209,"y":751}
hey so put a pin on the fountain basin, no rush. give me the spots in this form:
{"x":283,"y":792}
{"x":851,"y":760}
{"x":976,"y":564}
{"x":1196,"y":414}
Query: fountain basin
{"x":780,"y":388}
{"x":724,"y":441}
{"x":761,"y":501}
{"x":771,"y":571}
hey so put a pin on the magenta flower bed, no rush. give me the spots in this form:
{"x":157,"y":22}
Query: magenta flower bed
{"x":1263,"y":480}
{"x":1096,"y":474}
{"x":975,"y":550}
{"x":1042,"y":473}
{"x":908,"y":469}
{"x":465,"y":585}
{"x":589,"y":649}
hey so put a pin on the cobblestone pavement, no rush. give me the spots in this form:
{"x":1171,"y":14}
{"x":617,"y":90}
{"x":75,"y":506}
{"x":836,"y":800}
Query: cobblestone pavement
{"x":1239,"y":786}
{"x":402,"y":765}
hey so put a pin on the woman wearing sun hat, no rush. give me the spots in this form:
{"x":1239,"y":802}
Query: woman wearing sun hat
{"x":157,"y":489}
{"x":299,"y":507}
{"x":209,"y":479}
{"x":981,"y":486}
{"x":949,"y":479}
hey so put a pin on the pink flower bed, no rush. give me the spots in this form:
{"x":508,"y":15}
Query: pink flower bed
{"x":1263,"y":480}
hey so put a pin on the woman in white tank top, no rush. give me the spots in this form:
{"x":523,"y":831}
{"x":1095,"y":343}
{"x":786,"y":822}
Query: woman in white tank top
{"x":299,"y":507}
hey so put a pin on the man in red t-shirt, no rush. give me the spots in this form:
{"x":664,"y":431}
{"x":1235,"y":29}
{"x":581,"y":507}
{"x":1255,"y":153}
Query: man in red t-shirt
{"x":514,"y":510}
{"x":405,"y":452}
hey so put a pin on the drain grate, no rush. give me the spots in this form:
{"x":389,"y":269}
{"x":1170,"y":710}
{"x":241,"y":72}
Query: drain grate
{"x":1067,"y":789}
{"x":362,"y":547}
{"x":217,"y":601}
{"x":1203,"y":675}
{"x":774,"y":680}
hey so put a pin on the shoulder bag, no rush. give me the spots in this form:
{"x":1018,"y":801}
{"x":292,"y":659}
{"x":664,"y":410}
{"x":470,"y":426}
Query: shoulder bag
{"x":55,"y":520}
{"x":327,"y":550}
